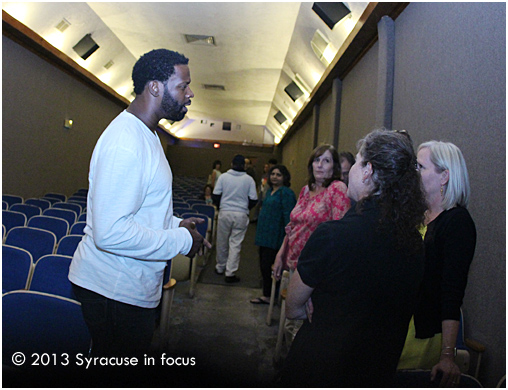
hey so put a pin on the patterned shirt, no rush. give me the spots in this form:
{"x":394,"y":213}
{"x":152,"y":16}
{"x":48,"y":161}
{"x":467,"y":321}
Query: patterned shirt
{"x":331,"y":204}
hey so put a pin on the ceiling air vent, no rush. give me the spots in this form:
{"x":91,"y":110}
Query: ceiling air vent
{"x":62,"y":26}
{"x":206,"y":40}
{"x":214,"y":87}
{"x":109,"y":64}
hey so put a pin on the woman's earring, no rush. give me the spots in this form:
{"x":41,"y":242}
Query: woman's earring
{"x":442,"y":191}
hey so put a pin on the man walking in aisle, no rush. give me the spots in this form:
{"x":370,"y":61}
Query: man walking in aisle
{"x":234,"y":194}
{"x":131,"y":233}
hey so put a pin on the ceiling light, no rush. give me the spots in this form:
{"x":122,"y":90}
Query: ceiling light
{"x":323,"y":48}
{"x":206,"y":40}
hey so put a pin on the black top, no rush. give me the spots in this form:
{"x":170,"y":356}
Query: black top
{"x":365,"y":290}
{"x":449,"y":249}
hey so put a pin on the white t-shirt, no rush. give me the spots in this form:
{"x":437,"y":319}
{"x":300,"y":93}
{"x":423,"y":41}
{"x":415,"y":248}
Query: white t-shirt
{"x":236,"y":189}
{"x":131,"y":231}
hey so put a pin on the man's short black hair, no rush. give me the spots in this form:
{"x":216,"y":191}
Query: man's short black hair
{"x":157,"y":65}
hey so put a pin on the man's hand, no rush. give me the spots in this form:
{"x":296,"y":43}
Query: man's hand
{"x":197,"y":239}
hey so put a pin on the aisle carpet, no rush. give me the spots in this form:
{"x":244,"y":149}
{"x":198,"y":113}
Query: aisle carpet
{"x":248,"y":272}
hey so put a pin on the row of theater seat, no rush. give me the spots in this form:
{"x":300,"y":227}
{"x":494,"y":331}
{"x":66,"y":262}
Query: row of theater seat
{"x":40,"y":313}
{"x":50,"y":236}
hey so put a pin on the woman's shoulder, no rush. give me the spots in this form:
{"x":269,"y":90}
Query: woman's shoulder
{"x":457,"y":218}
{"x":337,"y":186}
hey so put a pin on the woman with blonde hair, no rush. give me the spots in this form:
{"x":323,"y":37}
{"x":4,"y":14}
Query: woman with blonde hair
{"x":450,"y":240}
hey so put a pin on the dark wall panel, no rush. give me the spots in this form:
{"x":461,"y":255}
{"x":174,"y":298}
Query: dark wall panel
{"x":358,"y":111}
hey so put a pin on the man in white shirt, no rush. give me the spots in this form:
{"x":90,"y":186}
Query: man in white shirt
{"x":131,"y":233}
{"x":235,"y":194}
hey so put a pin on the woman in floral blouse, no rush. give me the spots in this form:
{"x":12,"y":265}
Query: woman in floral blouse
{"x":322,"y":199}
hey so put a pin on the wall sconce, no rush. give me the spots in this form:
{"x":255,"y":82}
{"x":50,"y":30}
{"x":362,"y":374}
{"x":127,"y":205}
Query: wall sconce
{"x":68,"y":123}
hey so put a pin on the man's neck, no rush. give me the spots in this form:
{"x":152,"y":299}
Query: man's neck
{"x":141,"y":110}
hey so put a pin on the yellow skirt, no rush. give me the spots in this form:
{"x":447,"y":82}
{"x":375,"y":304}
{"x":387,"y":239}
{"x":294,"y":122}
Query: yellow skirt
{"x":420,"y":353}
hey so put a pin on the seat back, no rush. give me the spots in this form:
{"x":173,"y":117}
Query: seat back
{"x":69,"y":215}
{"x":50,"y":275}
{"x":28,"y":209}
{"x":59,"y":226}
{"x":76,"y":207}
{"x":12,"y":199}
{"x":180,"y":205}
{"x":201,"y":227}
{"x":35,"y":322}
{"x":55,"y":195}
{"x":5,"y":205}
{"x":182,"y":210}
{"x":78,"y":228}
{"x":36,"y":241}
{"x":12,"y":219}
{"x":207,"y":210}
{"x":68,"y":245}
{"x":43,"y":204}
{"x":82,"y":217}
{"x":192,"y":202}
{"x":17,"y":268}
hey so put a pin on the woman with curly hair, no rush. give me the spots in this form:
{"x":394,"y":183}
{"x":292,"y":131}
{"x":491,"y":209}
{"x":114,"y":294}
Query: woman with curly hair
{"x":357,"y":279}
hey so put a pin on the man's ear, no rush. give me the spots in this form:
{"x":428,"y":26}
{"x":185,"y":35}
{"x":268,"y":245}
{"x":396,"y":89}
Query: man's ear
{"x":153,"y":88}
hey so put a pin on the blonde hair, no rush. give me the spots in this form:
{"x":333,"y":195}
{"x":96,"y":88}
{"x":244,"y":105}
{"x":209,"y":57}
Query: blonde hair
{"x":447,"y":156}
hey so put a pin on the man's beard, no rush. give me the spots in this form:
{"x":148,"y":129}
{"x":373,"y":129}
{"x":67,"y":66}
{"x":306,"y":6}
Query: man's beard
{"x":172,"y":109}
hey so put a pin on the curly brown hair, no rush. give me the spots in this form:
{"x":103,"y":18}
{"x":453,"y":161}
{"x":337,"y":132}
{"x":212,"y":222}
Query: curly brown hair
{"x":397,"y":184}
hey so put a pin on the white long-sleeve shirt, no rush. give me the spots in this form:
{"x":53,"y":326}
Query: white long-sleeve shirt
{"x":131,"y":231}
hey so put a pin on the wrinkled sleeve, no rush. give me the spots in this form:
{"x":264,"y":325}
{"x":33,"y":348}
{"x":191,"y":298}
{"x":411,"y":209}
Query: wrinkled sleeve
{"x":120,"y":185}
{"x":458,"y":249}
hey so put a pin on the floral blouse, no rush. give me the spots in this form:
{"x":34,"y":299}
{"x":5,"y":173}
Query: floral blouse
{"x":331,"y":204}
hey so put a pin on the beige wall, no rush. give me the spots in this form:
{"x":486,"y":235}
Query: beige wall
{"x":38,"y":154}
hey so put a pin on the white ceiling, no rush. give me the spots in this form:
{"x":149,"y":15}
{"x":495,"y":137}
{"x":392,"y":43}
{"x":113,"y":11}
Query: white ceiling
{"x":259,"y":49}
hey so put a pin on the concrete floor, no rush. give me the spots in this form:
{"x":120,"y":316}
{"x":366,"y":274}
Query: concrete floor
{"x":225,"y":334}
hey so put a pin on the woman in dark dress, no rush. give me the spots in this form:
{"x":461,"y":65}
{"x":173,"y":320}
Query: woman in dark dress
{"x":273,"y":218}
{"x":357,"y":278}
{"x":450,"y":240}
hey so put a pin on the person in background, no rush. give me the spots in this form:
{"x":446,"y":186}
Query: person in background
{"x":346,"y":162}
{"x":263,"y":187}
{"x":214,"y":176}
{"x":357,"y":279}
{"x":450,"y":240}
{"x":131,"y":233}
{"x":273,"y":218}
{"x":207,"y":194}
{"x":234,"y":194}
{"x":322,"y":199}
{"x":249,"y":169}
